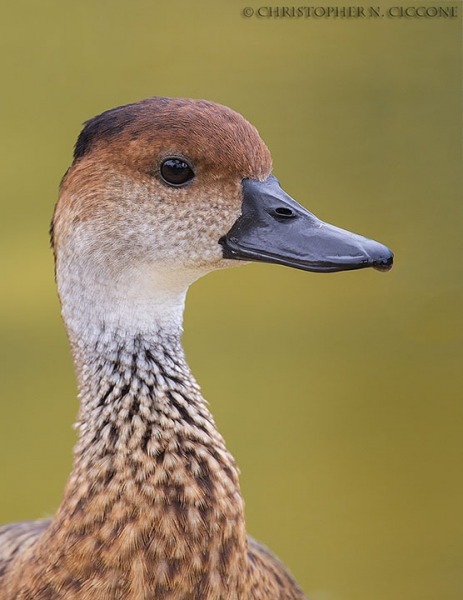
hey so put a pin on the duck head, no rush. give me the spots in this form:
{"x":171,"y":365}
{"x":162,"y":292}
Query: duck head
{"x":165,"y":190}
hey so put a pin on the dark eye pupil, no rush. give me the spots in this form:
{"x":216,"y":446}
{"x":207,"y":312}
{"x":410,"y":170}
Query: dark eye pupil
{"x":176,"y":171}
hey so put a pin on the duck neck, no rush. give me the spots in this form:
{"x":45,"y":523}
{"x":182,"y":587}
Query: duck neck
{"x":137,"y":394}
{"x":152,"y":478}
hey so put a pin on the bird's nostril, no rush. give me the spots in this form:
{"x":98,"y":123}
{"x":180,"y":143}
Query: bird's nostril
{"x":284,"y":211}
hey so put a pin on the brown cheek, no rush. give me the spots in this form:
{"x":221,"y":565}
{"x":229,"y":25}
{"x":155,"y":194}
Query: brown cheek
{"x":204,"y":205}
{"x":214,"y":210}
{"x":196,"y":216}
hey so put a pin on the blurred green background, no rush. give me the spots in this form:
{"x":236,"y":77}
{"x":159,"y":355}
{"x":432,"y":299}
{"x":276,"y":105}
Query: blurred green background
{"x":340,"y":395}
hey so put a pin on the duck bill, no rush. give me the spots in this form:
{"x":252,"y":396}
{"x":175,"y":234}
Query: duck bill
{"x":274,"y":228}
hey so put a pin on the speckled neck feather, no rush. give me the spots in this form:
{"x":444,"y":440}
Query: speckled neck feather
{"x":153,"y":485}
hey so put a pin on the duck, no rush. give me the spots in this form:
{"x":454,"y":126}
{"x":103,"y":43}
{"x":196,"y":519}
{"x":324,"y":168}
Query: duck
{"x":160,"y":192}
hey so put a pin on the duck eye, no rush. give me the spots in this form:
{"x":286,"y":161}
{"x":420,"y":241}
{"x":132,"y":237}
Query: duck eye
{"x":176,"y":171}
